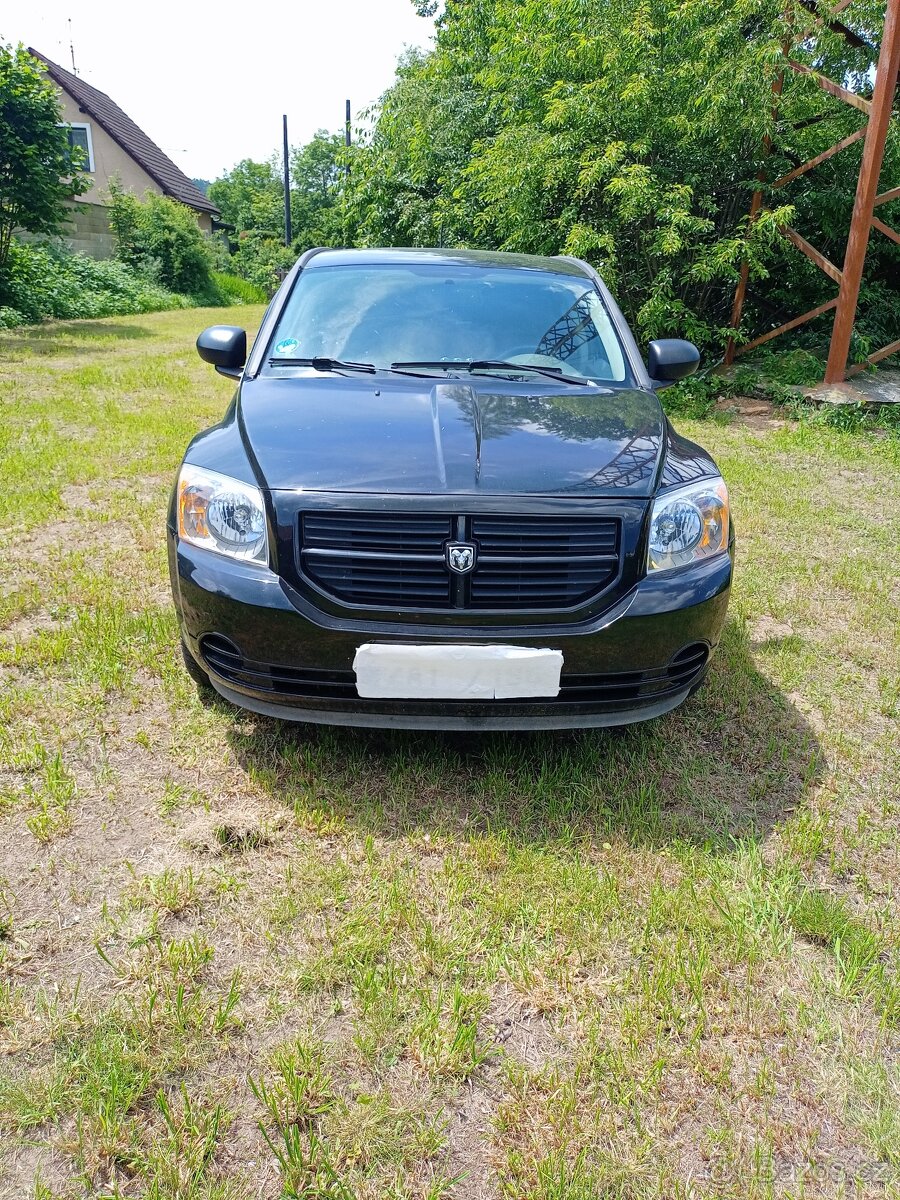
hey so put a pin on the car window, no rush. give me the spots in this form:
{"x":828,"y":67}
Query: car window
{"x":389,"y":313}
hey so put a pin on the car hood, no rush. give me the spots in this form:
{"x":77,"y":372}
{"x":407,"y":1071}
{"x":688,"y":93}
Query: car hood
{"x":491,"y":437}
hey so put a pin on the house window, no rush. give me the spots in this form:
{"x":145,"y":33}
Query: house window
{"x":80,"y":137}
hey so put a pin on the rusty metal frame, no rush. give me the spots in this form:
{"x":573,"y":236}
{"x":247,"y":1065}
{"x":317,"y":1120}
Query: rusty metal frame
{"x":874,"y":132}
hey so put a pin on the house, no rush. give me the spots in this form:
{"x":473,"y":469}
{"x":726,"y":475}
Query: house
{"x":115,"y":148}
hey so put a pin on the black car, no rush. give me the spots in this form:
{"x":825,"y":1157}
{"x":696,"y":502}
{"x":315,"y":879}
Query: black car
{"x":445,"y":495}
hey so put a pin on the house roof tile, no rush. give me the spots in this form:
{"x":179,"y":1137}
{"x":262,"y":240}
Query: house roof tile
{"x":129,"y":136}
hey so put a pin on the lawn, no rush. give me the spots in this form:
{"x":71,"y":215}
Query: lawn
{"x":240,"y":959}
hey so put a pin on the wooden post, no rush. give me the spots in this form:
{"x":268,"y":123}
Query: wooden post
{"x":866,"y":189}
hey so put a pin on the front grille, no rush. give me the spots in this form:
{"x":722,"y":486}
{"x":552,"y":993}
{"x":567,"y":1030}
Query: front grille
{"x":615,"y":689}
{"x":397,"y":560}
{"x":556,"y":536}
{"x":400,"y":533}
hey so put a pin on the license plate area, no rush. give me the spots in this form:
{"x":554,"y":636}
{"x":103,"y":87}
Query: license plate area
{"x":386,"y":672}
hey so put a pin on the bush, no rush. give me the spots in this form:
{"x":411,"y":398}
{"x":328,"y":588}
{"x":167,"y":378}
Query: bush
{"x":39,"y":171}
{"x":51,"y":281}
{"x":161,"y":240}
{"x":260,"y":259}
{"x":10,"y":317}
{"x":235,"y":290}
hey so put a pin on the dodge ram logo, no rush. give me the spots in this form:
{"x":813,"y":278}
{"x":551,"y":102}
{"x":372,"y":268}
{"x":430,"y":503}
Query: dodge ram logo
{"x":460,"y":557}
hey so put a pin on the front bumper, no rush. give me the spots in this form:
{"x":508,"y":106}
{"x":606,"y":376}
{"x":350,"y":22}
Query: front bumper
{"x":265,"y":648}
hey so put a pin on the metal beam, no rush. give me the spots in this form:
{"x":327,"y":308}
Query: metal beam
{"x":849,"y":35}
{"x":866,"y":191}
{"x":286,"y":167}
{"x":849,"y":278}
{"x":740,"y":294}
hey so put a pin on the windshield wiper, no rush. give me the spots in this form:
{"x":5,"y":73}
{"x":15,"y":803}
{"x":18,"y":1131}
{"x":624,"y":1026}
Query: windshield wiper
{"x":490,"y":364}
{"x":323,"y":364}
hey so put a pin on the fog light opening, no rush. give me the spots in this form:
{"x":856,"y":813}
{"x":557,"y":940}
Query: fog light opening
{"x":221,"y":654}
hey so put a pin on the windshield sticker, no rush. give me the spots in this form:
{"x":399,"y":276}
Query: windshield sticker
{"x":287,"y":346}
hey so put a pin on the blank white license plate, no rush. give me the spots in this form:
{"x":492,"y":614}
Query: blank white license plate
{"x":456,"y":672}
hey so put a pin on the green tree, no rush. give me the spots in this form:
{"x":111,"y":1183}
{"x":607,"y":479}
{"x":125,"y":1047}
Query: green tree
{"x":261,"y":258}
{"x":632,"y":135}
{"x":316,"y":191}
{"x":38,"y":171}
{"x":404,"y":181}
{"x":251,"y":196}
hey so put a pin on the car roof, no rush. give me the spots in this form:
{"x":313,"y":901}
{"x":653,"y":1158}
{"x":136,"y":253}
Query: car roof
{"x":437,"y":256}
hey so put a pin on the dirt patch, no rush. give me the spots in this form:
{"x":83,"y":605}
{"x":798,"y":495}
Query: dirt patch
{"x":95,"y":497}
{"x":40,"y":544}
{"x":25,"y":628}
{"x":524,"y":1033}
{"x":766,"y":629}
{"x":21,"y":1166}
{"x":761,"y":416}
{"x":469,"y":1141}
{"x":233,"y":829}
{"x":118,"y":829}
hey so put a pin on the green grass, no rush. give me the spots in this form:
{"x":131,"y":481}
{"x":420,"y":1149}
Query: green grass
{"x":235,"y":290}
{"x":241,"y":959}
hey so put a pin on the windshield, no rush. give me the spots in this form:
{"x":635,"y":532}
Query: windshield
{"x":447,"y":312}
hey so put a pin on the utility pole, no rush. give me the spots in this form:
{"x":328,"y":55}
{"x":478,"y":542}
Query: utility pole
{"x":287,"y":185}
{"x":347,"y":136}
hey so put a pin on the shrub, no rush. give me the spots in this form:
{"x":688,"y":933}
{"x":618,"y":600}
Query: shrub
{"x":261,"y":258}
{"x":10,"y":317}
{"x":235,"y":290}
{"x":160,"y":239}
{"x":51,"y":281}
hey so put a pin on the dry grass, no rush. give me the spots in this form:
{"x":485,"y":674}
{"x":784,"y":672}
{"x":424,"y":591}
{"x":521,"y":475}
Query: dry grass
{"x":240,"y":959}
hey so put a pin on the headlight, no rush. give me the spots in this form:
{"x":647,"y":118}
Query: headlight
{"x":688,"y":525}
{"x":221,"y":514}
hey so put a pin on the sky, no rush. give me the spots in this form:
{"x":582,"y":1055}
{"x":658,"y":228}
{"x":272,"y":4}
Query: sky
{"x":209,"y":83}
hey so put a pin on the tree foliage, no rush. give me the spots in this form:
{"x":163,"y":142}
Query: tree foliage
{"x":38,"y":171}
{"x":250,"y":198}
{"x":160,"y":239}
{"x":317,"y":174}
{"x":630,"y":133}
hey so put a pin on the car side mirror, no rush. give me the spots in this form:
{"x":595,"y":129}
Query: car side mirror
{"x":225,"y":346}
{"x":670,"y":359}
